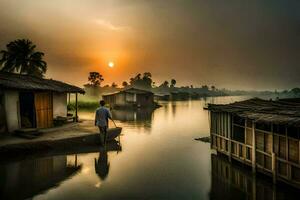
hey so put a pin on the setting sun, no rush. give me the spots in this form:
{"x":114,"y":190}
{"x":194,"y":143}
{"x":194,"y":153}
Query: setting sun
{"x":111,"y":64}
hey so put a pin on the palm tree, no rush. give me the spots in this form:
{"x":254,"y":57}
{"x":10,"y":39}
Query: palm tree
{"x":20,"y":56}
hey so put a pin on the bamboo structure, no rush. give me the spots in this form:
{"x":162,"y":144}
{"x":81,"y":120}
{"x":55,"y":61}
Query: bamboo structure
{"x":261,"y":134}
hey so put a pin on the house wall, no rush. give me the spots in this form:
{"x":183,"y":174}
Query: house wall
{"x":60,"y":104}
{"x":129,"y":97}
{"x":265,"y":147}
{"x":120,"y":98}
{"x":145,"y":99}
{"x":11,"y":105}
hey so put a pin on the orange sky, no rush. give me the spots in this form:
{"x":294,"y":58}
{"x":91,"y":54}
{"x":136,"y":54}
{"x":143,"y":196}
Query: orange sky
{"x":253,"y":45}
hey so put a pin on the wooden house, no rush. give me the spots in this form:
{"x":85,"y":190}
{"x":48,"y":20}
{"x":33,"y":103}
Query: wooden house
{"x":259,"y":133}
{"x":162,"y":96}
{"x":31,"y":102}
{"x":130,"y":98}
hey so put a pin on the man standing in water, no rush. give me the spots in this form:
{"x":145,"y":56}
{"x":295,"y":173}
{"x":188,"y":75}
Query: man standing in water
{"x":101,"y":120}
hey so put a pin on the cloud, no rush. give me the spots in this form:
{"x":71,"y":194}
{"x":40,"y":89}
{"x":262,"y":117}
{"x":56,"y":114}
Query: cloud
{"x":108,"y":25}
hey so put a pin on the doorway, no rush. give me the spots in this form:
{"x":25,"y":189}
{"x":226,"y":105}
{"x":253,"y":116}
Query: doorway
{"x":27,"y":110}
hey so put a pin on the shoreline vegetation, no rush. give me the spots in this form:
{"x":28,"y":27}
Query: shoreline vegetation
{"x":168,"y":90}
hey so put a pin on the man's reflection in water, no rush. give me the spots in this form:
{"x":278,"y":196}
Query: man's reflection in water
{"x":102,"y":165}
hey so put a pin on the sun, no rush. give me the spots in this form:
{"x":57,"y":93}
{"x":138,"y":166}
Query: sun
{"x":111,"y":64}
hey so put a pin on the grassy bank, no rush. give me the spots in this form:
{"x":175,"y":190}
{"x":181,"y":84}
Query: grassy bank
{"x":84,"y":105}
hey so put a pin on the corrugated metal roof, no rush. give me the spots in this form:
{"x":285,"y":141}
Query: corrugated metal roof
{"x":27,"y":82}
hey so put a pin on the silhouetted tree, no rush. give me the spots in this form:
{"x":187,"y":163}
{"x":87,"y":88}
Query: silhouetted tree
{"x":144,"y":83}
{"x":213,"y":88}
{"x":173,"y":83}
{"x":20,"y":57}
{"x":204,"y":87}
{"x":124,"y":84}
{"x":295,"y":91}
{"x":164,"y":84}
{"x":95,"y":78}
{"x":114,"y":85}
{"x":147,"y":80}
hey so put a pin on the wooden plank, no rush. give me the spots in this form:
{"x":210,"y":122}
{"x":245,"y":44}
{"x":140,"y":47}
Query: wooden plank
{"x":254,"y":148}
{"x":44,"y":109}
{"x":76,"y":107}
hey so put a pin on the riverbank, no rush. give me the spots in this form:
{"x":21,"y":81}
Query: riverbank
{"x":73,"y":135}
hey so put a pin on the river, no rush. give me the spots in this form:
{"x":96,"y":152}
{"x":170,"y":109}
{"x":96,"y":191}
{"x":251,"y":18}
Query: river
{"x":158,"y":158}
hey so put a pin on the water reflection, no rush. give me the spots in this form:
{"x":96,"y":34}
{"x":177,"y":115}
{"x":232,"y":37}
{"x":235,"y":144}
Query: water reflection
{"x":27,"y":178}
{"x":233,"y":181}
{"x":141,"y":115}
{"x":102,"y":165}
{"x":20,"y":180}
{"x":160,"y":160}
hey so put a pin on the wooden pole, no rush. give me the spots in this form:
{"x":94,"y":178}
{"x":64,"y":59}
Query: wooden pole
{"x":253,"y":148}
{"x":274,"y":167}
{"x":76,"y":107}
{"x":229,"y":136}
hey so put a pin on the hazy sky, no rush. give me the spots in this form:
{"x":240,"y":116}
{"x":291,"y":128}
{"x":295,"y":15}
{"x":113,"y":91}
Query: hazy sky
{"x":247,"y":44}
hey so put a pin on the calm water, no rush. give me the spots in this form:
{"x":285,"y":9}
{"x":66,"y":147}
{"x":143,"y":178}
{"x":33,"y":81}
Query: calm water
{"x":157,"y":158}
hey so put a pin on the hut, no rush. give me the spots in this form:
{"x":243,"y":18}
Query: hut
{"x":162,"y":96}
{"x":261,"y":134}
{"x":31,"y":102}
{"x":130,"y":98}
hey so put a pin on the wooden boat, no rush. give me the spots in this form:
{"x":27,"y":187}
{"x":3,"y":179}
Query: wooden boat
{"x":113,"y":133}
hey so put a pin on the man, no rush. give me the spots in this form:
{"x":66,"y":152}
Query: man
{"x":101,"y":120}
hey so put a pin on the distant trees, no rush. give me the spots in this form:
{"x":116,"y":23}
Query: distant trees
{"x":142,"y":82}
{"x":173,"y":83}
{"x":213,"y":88}
{"x":21,"y":57}
{"x":124,"y":84}
{"x":296,"y":91}
{"x":204,"y":87}
{"x":95,"y":79}
{"x":114,"y":85}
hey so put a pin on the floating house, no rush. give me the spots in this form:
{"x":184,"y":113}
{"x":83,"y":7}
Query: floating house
{"x":130,"y":98}
{"x":261,"y":134}
{"x":31,"y":102}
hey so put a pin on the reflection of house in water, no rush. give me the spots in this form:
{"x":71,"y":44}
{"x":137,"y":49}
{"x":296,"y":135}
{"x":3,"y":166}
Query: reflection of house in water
{"x":32,"y":102}
{"x":233,"y":181}
{"x":133,"y":115}
{"x":27,"y":178}
{"x":262,"y":134}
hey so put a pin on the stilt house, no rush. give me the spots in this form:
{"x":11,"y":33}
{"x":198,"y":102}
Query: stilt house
{"x":262,"y":134}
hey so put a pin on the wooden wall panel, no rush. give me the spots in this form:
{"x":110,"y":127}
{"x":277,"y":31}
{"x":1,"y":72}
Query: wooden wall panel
{"x":259,"y":140}
{"x":294,"y":150}
{"x":249,"y":136}
{"x":282,"y":147}
{"x":268,"y":143}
